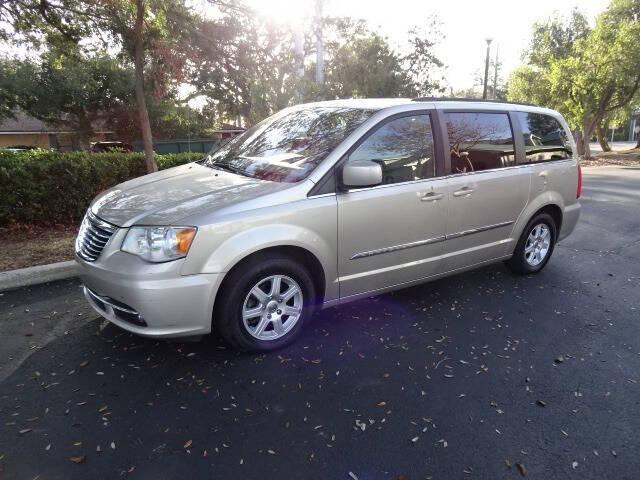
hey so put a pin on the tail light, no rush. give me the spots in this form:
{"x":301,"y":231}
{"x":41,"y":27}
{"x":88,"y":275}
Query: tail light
{"x":579,"y":190}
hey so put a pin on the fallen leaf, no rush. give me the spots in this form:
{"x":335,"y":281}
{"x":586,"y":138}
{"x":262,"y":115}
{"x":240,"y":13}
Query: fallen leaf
{"x":521,"y":469}
{"x":188,"y":444}
{"x":78,"y":460}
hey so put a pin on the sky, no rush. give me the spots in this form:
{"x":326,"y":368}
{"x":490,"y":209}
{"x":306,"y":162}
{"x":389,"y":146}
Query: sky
{"x":465,"y":25}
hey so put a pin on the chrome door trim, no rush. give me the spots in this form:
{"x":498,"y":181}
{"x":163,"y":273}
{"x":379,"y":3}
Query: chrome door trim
{"x":429,"y":241}
{"x":395,"y":248}
{"x":471,"y":231}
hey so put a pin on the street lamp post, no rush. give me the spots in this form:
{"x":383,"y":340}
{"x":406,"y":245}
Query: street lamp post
{"x":486,"y":68}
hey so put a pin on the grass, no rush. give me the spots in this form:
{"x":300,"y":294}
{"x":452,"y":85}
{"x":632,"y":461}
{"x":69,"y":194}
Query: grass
{"x":27,"y":246}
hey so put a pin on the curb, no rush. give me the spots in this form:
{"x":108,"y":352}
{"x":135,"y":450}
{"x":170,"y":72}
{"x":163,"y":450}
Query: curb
{"x":24,"y":277}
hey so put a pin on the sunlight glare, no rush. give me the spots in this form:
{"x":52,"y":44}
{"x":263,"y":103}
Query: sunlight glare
{"x":290,"y":12}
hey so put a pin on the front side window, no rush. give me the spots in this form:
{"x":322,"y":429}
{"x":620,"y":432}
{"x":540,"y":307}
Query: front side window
{"x":544,"y":138}
{"x":479,"y":141}
{"x":403,"y":147}
{"x":287,"y":146}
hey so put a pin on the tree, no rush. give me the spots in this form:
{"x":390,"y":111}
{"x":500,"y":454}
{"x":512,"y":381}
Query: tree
{"x":70,"y":90}
{"x":422,"y":63}
{"x":366,"y":67}
{"x":8,"y":94}
{"x":248,"y":73}
{"x":152,"y":34}
{"x":587,"y":74}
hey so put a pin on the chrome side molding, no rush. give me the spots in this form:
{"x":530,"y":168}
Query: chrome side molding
{"x":395,"y":248}
{"x":428,"y":241}
{"x":471,"y":231}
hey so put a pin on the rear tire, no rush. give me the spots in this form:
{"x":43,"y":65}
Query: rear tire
{"x":264,"y":304}
{"x":535,"y":246}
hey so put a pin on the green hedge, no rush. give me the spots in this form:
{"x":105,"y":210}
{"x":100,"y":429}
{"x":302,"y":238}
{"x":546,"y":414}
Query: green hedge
{"x":44,"y":187}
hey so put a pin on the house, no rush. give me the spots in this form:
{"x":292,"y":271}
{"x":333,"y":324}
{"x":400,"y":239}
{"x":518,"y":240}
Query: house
{"x":227,"y":131}
{"x":25,"y":130}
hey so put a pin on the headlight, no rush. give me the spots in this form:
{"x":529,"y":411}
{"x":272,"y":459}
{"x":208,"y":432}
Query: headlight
{"x":159,"y":244}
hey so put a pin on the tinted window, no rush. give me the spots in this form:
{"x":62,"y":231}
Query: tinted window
{"x":479,"y":141}
{"x":544,"y":138}
{"x":403,"y":147}
{"x":287,"y":146}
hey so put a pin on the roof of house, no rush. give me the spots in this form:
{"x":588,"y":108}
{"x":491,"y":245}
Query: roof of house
{"x":25,"y":123}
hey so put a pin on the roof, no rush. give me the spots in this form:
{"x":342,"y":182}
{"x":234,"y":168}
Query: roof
{"x":25,"y":123}
{"x":434,"y":102}
{"x":367,"y":103}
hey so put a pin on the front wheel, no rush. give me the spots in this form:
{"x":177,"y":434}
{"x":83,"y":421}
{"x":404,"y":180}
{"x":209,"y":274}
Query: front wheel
{"x":264,"y":305}
{"x":535,"y":245}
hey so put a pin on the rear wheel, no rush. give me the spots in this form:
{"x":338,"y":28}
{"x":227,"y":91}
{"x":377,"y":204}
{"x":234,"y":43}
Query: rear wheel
{"x":264,"y":305}
{"x":535,"y":245}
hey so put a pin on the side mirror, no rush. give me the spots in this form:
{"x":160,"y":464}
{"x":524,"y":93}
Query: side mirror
{"x":361,"y":173}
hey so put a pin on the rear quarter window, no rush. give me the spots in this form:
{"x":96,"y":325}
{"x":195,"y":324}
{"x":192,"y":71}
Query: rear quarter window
{"x":544,"y":138}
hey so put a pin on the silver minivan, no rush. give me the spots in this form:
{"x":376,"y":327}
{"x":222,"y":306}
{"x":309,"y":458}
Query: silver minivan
{"x":325,"y":203}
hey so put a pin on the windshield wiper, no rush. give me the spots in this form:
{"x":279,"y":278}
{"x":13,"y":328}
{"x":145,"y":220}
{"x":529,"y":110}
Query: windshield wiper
{"x":228,"y":168}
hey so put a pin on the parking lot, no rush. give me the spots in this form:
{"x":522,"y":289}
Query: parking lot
{"x":481,"y":375}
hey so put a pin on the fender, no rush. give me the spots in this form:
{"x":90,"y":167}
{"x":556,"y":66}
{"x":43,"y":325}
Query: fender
{"x":245,"y":242}
{"x":548,"y":197}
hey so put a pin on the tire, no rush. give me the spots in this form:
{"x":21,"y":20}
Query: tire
{"x":527,"y":259}
{"x":239,"y":296}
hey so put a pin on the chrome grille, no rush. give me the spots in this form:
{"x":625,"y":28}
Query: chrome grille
{"x":92,"y":237}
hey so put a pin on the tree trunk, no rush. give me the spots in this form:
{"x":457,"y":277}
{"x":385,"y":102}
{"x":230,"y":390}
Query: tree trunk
{"x":588,"y":126}
{"x":579,"y":143}
{"x":601,"y":133}
{"x":145,"y":126}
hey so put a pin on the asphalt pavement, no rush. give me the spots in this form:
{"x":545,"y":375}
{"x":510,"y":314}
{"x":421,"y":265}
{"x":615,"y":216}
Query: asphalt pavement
{"x":480,"y":375}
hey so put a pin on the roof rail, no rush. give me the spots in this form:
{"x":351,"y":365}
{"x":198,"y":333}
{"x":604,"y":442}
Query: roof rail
{"x":463,"y":99}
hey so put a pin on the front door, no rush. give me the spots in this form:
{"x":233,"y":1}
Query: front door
{"x":393,"y":233}
{"x":487,"y":191}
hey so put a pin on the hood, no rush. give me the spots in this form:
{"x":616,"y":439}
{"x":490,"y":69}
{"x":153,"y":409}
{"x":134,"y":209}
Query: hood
{"x":166,"y":197}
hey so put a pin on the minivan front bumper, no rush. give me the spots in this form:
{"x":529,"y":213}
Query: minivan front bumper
{"x":151,"y":300}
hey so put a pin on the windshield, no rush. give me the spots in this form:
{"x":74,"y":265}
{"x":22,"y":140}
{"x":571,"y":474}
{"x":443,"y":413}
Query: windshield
{"x":286,"y":147}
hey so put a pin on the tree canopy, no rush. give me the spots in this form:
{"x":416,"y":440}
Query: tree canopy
{"x":98,"y":58}
{"x":588,"y":73}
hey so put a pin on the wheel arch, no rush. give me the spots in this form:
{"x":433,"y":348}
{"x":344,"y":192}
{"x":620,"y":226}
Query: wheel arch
{"x":549,"y":202}
{"x":555,"y":212}
{"x":295,"y":252}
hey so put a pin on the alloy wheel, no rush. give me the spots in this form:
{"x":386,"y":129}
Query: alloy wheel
{"x":538,"y":244}
{"x":272,"y":307}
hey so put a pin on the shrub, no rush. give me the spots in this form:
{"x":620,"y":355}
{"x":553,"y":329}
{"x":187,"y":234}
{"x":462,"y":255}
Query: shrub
{"x":44,"y":187}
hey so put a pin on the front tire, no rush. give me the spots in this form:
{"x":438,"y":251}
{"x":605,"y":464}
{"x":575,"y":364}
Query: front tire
{"x":535,"y":245}
{"x":264,"y":304}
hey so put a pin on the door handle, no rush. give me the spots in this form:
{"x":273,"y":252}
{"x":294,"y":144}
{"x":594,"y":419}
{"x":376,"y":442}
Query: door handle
{"x":431,"y":197}
{"x":463,"y":192}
